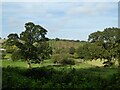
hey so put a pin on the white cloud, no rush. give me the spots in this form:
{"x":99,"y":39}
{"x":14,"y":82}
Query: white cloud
{"x":91,"y":9}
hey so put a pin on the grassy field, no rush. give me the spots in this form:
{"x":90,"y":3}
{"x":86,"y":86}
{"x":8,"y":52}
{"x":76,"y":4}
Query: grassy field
{"x":49,"y":62}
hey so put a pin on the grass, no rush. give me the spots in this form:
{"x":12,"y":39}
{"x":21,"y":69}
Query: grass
{"x":48,"y":63}
{"x":96,"y":62}
{"x":48,"y":75}
{"x":23,"y":64}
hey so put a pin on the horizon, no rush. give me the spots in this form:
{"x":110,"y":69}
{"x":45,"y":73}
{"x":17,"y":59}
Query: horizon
{"x":64,"y":20}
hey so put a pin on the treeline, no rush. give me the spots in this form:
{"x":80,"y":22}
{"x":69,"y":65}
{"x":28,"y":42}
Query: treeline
{"x":59,"y":39}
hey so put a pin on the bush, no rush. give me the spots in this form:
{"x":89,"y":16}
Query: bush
{"x":55,"y":58}
{"x":3,"y":54}
{"x":63,"y":59}
{"x":68,"y":61}
{"x":71,"y":50}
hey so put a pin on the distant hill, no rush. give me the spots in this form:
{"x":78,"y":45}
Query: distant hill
{"x":59,"y":44}
{"x":65,"y":44}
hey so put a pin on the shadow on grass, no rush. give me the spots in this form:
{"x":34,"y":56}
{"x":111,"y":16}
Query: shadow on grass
{"x":48,"y":77}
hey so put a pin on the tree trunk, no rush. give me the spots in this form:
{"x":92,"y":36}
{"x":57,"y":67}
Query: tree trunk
{"x":118,"y":61}
{"x":29,"y":64}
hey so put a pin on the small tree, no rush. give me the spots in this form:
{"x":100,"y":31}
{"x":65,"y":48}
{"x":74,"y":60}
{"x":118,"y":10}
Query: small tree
{"x":57,"y":39}
{"x":71,"y":50}
{"x":63,"y":59}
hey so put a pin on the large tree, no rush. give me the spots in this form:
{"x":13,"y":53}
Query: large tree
{"x":30,"y":44}
{"x":109,"y":39}
{"x":90,"y":51}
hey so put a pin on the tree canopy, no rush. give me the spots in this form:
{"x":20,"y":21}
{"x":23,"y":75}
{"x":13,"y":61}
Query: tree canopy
{"x":30,"y":44}
{"x":102,"y":44}
{"x":109,"y":40}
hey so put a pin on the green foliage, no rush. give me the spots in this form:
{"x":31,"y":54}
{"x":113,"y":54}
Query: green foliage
{"x":71,"y":50}
{"x":114,"y":82}
{"x":48,"y":77}
{"x":57,"y":39}
{"x":109,"y":41}
{"x":55,"y":58}
{"x":25,"y":44}
{"x":63,"y":59}
{"x":16,"y":55}
{"x":3,"y":54}
{"x":82,"y":52}
{"x":10,"y":48}
{"x":44,"y":50}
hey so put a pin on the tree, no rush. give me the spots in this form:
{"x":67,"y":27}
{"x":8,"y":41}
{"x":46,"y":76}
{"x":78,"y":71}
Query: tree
{"x":71,"y":50}
{"x":57,"y":39}
{"x":26,"y":43}
{"x":109,"y":41}
{"x":89,"y":51}
{"x":63,"y":59}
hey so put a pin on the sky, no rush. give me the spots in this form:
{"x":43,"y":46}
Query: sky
{"x":65,"y":20}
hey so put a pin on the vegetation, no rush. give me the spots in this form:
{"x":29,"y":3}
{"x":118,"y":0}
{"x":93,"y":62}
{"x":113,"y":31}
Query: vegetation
{"x":59,"y":63}
{"x":48,"y":77}
{"x":63,"y":59}
{"x":30,"y":44}
{"x":103,"y":45}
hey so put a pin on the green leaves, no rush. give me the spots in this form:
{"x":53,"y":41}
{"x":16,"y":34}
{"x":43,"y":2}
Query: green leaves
{"x":33,"y":33}
{"x":13,"y":36}
{"x":71,"y":50}
{"x":26,"y":43}
{"x":108,"y":40}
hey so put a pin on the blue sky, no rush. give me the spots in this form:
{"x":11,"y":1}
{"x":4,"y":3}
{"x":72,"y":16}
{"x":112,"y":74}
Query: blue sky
{"x":67,"y":20}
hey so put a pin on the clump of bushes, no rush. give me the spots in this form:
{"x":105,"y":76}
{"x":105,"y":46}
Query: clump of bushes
{"x":63,"y":58}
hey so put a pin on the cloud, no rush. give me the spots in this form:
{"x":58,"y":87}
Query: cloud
{"x":91,"y":9}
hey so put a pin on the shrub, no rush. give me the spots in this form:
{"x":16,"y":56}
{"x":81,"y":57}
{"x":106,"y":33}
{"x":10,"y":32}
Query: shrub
{"x":63,"y":59}
{"x":3,"y":54}
{"x":71,"y":50}
{"x":56,"y":58}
